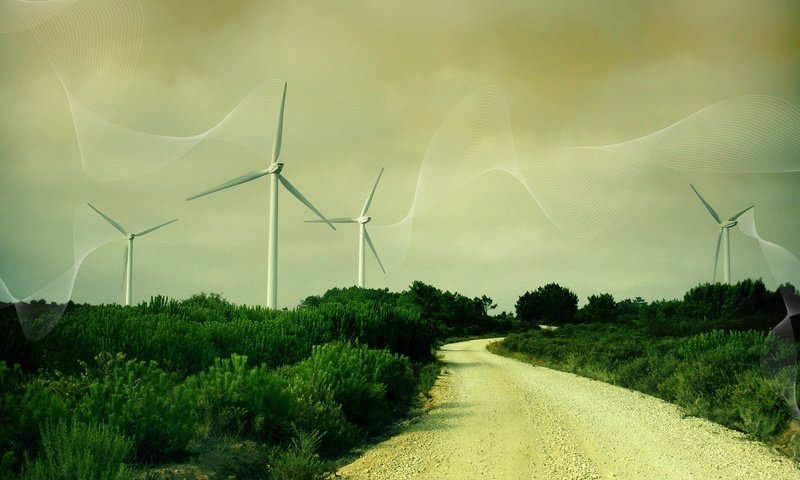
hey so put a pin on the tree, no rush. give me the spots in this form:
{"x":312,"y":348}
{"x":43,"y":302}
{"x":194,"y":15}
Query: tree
{"x":601,"y":308}
{"x":551,"y":304}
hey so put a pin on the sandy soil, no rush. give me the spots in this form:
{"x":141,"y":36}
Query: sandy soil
{"x":497,"y":418}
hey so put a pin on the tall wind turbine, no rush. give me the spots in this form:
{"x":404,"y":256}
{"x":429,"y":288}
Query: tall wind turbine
{"x":128,"y":273}
{"x":724,"y":238}
{"x":274,"y":169}
{"x":363,"y":237}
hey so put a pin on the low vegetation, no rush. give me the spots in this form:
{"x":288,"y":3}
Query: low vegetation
{"x":125,"y":392}
{"x":210,"y":389}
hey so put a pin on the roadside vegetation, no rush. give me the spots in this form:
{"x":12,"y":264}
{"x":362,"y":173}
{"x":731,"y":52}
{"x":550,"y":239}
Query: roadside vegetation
{"x":203,"y":388}
{"x":703,"y":352}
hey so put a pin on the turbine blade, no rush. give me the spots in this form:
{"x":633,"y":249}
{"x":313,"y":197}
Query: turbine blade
{"x":372,"y":247}
{"x":143,"y":232}
{"x":302,"y":199}
{"x":108,"y":219}
{"x":334,"y":220}
{"x":740,"y":213}
{"x":716,"y":256}
{"x":276,"y":146}
{"x":236,"y":181}
{"x":124,"y":267}
{"x":708,"y":207}
{"x":369,"y":198}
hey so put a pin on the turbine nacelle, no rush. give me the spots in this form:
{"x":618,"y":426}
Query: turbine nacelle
{"x":274,"y":168}
{"x":362,"y":220}
{"x":728,"y":224}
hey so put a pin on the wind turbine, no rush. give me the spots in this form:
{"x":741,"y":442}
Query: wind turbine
{"x":362,"y":220}
{"x":128,"y":273}
{"x":274,"y":169}
{"x":724,"y":238}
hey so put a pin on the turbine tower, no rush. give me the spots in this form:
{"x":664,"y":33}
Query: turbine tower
{"x":363,"y":237}
{"x":274,"y":169}
{"x":724,"y":238}
{"x":128,"y":273}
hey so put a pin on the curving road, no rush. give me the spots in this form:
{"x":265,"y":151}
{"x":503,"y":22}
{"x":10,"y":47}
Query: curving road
{"x":497,"y":418}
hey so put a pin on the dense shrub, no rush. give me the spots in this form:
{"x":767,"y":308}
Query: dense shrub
{"x":36,"y":402}
{"x":300,"y":460}
{"x":185,"y":337}
{"x":369,"y":385}
{"x":708,"y":366}
{"x":79,"y":451}
{"x":233,"y":398}
{"x":142,"y":401}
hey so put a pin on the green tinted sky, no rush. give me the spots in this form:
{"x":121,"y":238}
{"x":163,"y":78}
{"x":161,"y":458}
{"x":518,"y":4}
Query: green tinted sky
{"x":369,"y":84}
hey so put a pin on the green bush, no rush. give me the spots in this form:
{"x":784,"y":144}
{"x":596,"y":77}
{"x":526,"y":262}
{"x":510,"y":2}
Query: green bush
{"x":757,"y":409}
{"x":235,"y":399}
{"x":369,"y":385}
{"x":319,"y":411}
{"x":79,"y":451}
{"x":26,"y":404}
{"x":142,"y":401}
{"x":300,"y":460}
{"x":708,"y":365}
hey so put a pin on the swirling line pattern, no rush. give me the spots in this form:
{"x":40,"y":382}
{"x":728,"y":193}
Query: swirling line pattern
{"x":93,"y":46}
{"x":90,"y":232}
{"x":582,"y":190}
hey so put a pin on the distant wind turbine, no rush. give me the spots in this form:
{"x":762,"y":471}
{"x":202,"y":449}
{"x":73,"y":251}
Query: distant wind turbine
{"x":724,"y":238}
{"x":362,"y":220}
{"x":128,"y":273}
{"x":273,"y":169}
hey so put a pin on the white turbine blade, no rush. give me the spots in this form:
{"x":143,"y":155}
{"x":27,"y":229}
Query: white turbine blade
{"x":124,"y":267}
{"x":232,"y":183}
{"x":372,"y":247}
{"x":740,"y":213}
{"x":143,"y":232}
{"x":334,"y":220}
{"x":369,"y":198}
{"x":302,"y":199}
{"x":276,"y":146}
{"x":108,"y":219}
{"x":716,"y":256}
{"x":708,"y":207}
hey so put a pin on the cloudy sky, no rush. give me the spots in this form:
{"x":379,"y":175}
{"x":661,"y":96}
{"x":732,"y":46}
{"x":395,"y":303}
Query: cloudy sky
{"x":369,"y":85}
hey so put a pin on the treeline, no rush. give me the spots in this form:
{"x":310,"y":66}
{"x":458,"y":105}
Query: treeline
{"x":706,"y":352}
{"x":742,"y":306}
{"x":114,"y":386}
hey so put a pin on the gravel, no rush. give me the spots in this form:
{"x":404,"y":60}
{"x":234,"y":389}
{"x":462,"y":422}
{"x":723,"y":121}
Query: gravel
{"x":497,"y":418}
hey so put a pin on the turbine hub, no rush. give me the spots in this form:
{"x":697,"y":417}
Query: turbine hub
{"x":363,"y":220}
{"x":131,"y":236}
{"x":275,"y":168}
{"x":728,"y":224}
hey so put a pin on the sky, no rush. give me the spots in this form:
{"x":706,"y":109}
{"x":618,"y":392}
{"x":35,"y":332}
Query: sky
{"x":376,"y":85}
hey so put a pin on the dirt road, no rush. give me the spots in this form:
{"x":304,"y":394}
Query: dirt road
{"x":501,"y":419}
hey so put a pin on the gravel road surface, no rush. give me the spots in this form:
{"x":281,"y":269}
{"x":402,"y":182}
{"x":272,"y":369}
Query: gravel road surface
{"x":497,"y":418}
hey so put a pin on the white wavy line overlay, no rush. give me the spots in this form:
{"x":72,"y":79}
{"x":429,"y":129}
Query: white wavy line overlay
{"x":90,"y":232}
{"x":582,"y":190}
{"x":93,"y":47}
